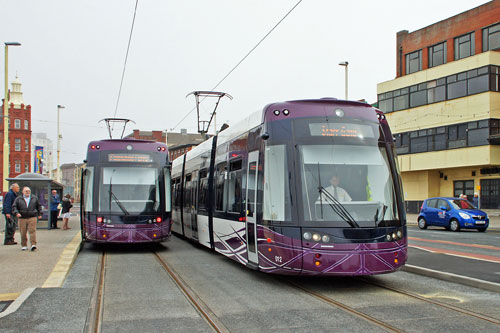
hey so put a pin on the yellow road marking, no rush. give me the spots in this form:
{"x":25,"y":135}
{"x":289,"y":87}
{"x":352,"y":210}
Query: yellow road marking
{"x":9,"y":297}
{"x":66,"y":260}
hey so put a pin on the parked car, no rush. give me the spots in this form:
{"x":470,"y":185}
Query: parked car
{"x":453,"y":214}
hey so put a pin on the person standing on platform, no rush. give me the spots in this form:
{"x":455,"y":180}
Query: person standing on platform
{"x":475,"y":200}
{"x":10,"y":219}
{"x":54,"y":210}
{"x":66,"y":206}
{"x":27,"y":207}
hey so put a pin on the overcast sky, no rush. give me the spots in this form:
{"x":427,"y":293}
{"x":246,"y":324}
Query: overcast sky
{"x":73,"y":52}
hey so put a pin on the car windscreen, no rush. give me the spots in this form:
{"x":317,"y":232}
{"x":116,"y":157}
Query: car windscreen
{"x":462,"y":204}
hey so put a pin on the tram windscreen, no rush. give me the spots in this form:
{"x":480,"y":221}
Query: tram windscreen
{"x":129,"y":190}
{"x":347,"y":185}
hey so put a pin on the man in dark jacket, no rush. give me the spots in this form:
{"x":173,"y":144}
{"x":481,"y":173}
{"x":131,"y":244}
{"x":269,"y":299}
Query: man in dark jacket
{"x":10,"y":219}
{"x":54,"y":211}
{"x":27,"y":208}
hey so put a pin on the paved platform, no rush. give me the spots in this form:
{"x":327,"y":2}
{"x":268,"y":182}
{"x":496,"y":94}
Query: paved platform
{"x":45,"y":267}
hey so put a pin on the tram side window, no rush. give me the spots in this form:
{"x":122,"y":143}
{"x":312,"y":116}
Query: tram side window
{"x":168,"y":193}
{"x":276,"y":192}
{"x":177,"y":191}
{"x":187,"y":191}
{"x":203,"y":191}
{"x":88,"y":186}
{"x":234,"y":187}
{"x":220,"y":204}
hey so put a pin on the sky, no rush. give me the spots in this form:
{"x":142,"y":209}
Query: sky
{"x":73,"y":54}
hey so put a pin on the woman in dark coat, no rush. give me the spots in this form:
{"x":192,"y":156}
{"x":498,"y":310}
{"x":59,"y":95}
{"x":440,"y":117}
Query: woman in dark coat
{"x":66,"y":206}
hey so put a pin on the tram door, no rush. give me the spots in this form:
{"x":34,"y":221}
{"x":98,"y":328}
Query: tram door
{"x":250,"y":207}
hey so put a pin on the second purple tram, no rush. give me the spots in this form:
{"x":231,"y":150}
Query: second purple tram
{"x":302,"y":187}
{"x":125,"y":192}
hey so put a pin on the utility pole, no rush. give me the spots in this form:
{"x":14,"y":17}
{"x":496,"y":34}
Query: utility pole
{"x":345,"y":64}
{"x":59,"y":107}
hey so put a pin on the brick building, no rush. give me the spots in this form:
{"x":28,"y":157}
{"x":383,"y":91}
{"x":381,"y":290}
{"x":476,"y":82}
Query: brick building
{"x":444,"y":107}
{"x":19,"y":134}
{"x":178,"y":143}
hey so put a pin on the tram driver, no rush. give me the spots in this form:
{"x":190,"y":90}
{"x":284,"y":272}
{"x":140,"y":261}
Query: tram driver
{"x":335,"y":191}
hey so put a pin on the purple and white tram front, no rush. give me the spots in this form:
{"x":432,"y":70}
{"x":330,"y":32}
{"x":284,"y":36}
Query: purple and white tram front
{"x":125,"y":192}
{"x":310,"y":187}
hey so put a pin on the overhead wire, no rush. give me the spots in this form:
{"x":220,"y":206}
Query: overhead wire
{"x":242,"y":59}
{"x":126,"y":58}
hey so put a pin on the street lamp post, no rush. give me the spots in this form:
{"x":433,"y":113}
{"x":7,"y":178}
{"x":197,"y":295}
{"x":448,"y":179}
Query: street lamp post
{"x":59,"y":107}
{"x":6,"y":150}
{"x":345,"y":64}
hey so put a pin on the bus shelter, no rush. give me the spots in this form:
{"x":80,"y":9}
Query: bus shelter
{"x":42,"y":187}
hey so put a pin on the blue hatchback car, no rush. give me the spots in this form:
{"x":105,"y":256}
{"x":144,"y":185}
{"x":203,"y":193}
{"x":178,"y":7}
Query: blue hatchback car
{"x":453,"y":214}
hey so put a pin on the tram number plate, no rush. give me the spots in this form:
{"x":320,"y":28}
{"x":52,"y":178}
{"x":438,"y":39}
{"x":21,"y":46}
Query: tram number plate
{"x":278,"y":259}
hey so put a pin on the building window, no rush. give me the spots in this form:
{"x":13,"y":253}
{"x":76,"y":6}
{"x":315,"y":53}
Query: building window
{"x":17,"y":145}
{"x":26,"y":125}
{"x":26,"y":167}
{"x":471,"y":134}
{"x":17,"y":123}
{"x":26,"y":145}
{"x":414,"y":62}
{"x":464,"y":46}
{"x":18,"y":166}
{"x":463,"y":187}
{"x":437,"y":54}
{"x":491,"y":38}
{"x":467,"y":83}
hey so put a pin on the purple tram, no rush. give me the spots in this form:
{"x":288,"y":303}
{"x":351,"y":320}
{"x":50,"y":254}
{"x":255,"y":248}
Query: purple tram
{"x":125,"y":192}
{"x":306,"y":187}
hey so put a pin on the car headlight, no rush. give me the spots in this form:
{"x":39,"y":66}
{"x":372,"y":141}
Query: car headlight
{"x":464,"y":216}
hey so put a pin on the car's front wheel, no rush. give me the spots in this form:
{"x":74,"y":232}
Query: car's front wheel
{"x":454,"y":225}
{"x":421,"y":223}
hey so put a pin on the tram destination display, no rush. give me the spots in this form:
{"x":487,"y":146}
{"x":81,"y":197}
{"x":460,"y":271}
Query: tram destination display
{"x":135,"y":158}
{"x":341,"y":129}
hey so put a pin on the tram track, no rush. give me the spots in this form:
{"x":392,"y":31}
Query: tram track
{"x":94,"y":314}
{"x":344,"y":307}
{"x":193,"y":298}
{"x":430,"y":301}
{"x":93,"y":323}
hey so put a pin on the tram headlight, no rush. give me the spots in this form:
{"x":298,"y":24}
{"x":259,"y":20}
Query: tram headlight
{"x":400,"y":234}
{"x":307,"y":235}
{"x":286,"y":112}
{"x":325,"y":238}
{"x":339,"y":113}
{"x":316,"y":237}
{"x":388,"y":237}
{"x":276,"y":112}
{"x":129,"y":147}
{"x":394,"y":237}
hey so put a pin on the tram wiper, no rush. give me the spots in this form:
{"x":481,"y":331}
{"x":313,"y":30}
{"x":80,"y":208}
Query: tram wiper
{"x":113,"y":196}
{"x":118,"y":203}
{"x":337,"y":207}
{"x":376,"y":217}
